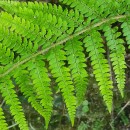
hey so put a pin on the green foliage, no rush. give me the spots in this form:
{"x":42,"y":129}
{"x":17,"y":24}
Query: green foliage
{"x":94,"y":46}
{"x":41,"y":43}
{"x":12,"y":100}
{"x":76,"y":60}
{"x":82,"y":126}
{"x":2,"y":120}
{"x":117,"y":52}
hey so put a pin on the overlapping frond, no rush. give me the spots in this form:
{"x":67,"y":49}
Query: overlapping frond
{"x":28,"y":28}
{"x":11,"y":98}
{"x":26,"y":87}
{"x":3,"y":124}
{"x":94,"y":46}
{"x":126,"y":30}
{"x":117,"y":55}
{"x":41,"y":84}
{"x":76,"y":60}
{"x":36,"y":10}
{"x":6,"y":55}
{"x":91,"y":9}
{"x":14,"y":43}
{"x":22,"y":28}
{"x":56,"y":59}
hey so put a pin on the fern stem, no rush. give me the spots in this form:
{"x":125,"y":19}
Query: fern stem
{"x":12,"y":125}
{"x":88,"y":28}
{"x":2,"y":103}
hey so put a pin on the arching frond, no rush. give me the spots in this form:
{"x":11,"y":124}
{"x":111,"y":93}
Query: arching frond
{"x":41,"y":82}
{"x":39,"y":39}
{"x":11,"y":98}
{"x":23,"y":79}
{"x":126,"y":30}
{"x":117,"y":55}
{"x":3,"y":124}
{"x":56,"y":59}
{"x":94,"y":46}
{"x":76,"y":60}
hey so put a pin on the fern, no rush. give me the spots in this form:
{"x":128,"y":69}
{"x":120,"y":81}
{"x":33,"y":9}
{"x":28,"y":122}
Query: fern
{"x":126,"y":30}
{"x":12,"y":100}
{"x":44,"y":107}
{"x":2,"y":121}
{"x":41,"y":84}
{"x":40,"y":42}
{"x":76,"y":60}
{"x":117,"y":55}
{"x":56,"y":59}
{"x":94,"y":46}
{"x":23,"y":80}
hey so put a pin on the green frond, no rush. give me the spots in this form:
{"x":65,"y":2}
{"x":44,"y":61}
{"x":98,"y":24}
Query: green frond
{"x":30,"y":30}
{"x":89,"y":8}
{"x":117,"y":55}
{"x":94,"y":46}
{"x":41,"y":82}
{"x":26,"y":87}
{"x":76,"y":60}
{"x":22,"y":27}
{"x":9,"y":95}
{"x":36,"y":10}
{"x":6,"y":55}
{"x":126,"y":30}
{"x":3,"y":124}
{"x":15,"y":43}
{"x":56,"y":59}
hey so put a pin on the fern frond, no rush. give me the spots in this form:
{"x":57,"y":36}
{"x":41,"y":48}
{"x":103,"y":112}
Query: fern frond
{"x":76,"y":60}
{"x":14,"y":42}
{"x":87,"y":8}
{"x":45,"y":29}
{"x":36,"y":10}
{"x":28,"y":30}
{"x":79,"y":5}
{"x":56,"y":59}
{"x":6,"y":55}
{"x":126,"y":30}
{"x":41,"y":82}
{"x":21,"y":27}
{"x":9,"y":95}
{"x":26,"y":87}
{"x":3,"y":124}
{"x":117,"y":53}
{"x":94,"y":46}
